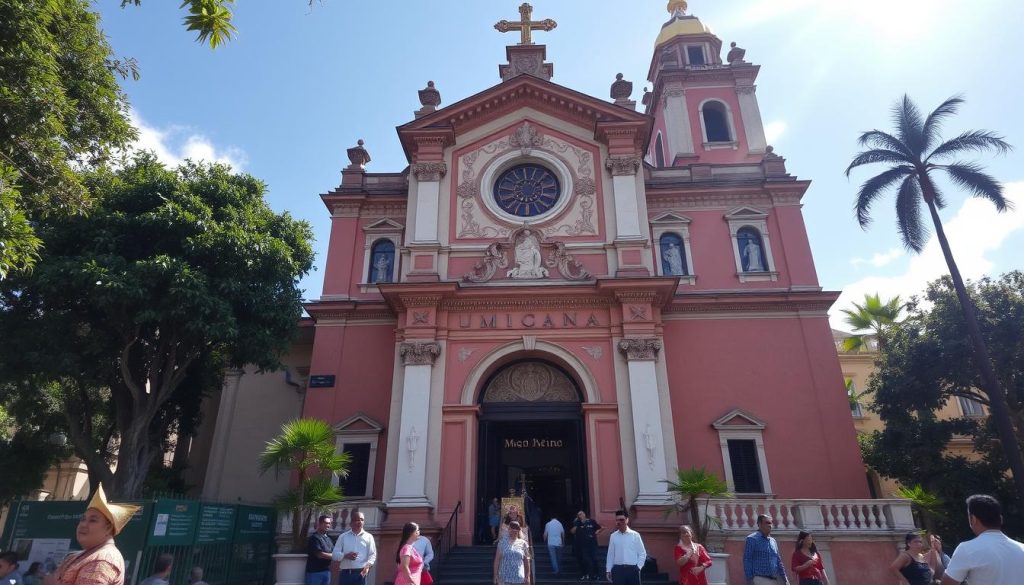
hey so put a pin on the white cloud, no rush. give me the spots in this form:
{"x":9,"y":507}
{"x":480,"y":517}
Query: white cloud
{"x":773,"y":131}
{"x":974,"y":232}
{"x":174,"y":144}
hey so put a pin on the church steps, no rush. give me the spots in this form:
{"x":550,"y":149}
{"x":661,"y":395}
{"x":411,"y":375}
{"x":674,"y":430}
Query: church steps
{"x":473,"y":565}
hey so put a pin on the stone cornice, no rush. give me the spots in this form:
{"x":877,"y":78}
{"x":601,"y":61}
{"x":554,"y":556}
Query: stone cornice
{"x":739,"y":302}
{"x":524,"y":303}
{"x":640,"y":348}
{"x":349,"y":311}
{"x":419,"y":353}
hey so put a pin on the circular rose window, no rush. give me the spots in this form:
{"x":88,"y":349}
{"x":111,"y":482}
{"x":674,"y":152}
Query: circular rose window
{"x":526,"y":190}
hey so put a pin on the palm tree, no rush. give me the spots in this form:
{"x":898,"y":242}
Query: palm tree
{"x":924,"y":503}
{"x":874,"y":316}
{"x":914,"y":155}
{"x":691,"y":484}
{"x":307,"y":447}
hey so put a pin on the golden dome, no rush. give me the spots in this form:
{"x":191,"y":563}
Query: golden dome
{"x":686,"y":25}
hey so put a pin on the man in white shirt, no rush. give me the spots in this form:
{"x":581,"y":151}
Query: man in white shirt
{"x":626,"y":553}
{"x":354,"y":553}
{"x":553,"y":533}
{"x":992,"y":558}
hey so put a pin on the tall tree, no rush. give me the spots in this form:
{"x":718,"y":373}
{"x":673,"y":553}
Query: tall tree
{"x":62,"y":111}
{"x":915,"y":154}
{"x":209,"y":19}
{"x":873,"y":317}
{"x":172,"y":271}
{"x":927,"y":364}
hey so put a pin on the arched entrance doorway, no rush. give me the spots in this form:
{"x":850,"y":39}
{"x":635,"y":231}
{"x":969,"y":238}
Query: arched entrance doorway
{"x":532,"y":436}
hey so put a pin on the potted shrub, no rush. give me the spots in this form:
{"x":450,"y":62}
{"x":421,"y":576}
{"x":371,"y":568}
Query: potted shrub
{"x":305,"y":447}
{"x":687,"y":489}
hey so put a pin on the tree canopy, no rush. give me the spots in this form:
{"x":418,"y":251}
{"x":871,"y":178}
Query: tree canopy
{"x":62,"y":112}
{"x":174,"y":275}
{"x":928,"y":363}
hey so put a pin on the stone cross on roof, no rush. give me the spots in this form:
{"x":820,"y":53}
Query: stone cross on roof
{"x":525,"y":26}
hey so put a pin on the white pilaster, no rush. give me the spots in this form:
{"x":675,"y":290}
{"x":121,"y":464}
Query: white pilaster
{"x":752,"y":125}
{"x":428,"y":194}
{"x":641,"y":355}
{"x":677,"y":124}
{"x":222,"y":436}
{"x":410,"y":477}
{"x":627,"y":206}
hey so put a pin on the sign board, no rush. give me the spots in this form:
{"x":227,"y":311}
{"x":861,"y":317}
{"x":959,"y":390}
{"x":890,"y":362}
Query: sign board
{"x":216,"y":524}
{"x":321,"y":381}
{"x":174,"y":523}
{"x":254,"y":524}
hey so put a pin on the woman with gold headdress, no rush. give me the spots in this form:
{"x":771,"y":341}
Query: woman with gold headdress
{"x":99,"y":562}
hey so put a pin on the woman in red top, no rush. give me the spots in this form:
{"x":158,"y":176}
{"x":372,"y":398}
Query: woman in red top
{"x":692,"y":559}
{"x":806,"y":561}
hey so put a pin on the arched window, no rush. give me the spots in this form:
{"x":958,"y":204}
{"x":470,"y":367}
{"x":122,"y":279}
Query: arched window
{"x":659,"y":152}
{"x":751,"y":250}
{"x":673,"y":255}
{"x":382,"y":261}
{"x":716,"y":122}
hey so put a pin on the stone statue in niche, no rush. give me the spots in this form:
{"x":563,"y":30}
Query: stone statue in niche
{"x":528,"y":258}
{"x":672,"y":259}
{"x":382,"y":269}
{"x":752,"y":254}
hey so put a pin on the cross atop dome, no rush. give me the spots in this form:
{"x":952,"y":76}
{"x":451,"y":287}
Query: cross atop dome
{"x":677,"y":6}
{"x":525,"y":26}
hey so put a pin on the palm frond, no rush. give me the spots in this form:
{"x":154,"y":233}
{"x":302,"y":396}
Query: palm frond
{"x":854,"y":343}
{"x":878,"y":155}
{"x":858,"y":319}
{"x":874,"y":187}
{"x":938,"y":197}
{"x":907,"y":119}
{"x":972,"y":140}
{"x":933,"y":123}
{"x":971,"y":177}
{"x":913,"y":231}
{"x":877,"y":139}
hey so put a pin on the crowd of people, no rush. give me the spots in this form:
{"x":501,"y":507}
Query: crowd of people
{"x":991,"y":558}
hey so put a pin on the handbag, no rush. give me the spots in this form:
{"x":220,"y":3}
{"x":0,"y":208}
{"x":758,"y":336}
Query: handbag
{"x":426,"y":578}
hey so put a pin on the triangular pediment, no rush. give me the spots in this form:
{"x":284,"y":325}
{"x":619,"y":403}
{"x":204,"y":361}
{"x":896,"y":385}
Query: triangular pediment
{"x":746,"y":213}
{"x":738,"y":419}
{"x":670,"y":217}
{"x":523,"y":91}
{"x":384,"y":225}
{"x":359,"y":424}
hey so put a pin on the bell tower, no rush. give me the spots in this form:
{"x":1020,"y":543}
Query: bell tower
{"x":705,"y":109}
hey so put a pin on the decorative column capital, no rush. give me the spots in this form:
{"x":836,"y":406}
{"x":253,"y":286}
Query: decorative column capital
{"x":623,"y":165}
{"x":640,"y":348}
{"x":419,"y":353}
{"x":429,"y":171}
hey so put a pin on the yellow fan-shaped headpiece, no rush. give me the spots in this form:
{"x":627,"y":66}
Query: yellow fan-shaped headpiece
{"x":118,"y":514}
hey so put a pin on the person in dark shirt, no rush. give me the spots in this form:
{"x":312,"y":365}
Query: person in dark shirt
{"x":318,"y":549}
{"x":584,"y":532}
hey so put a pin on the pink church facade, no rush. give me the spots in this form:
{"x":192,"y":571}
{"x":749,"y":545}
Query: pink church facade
{"x":580,"y":297}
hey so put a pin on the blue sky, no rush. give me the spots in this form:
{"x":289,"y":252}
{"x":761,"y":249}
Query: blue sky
{"x":299,"y":85}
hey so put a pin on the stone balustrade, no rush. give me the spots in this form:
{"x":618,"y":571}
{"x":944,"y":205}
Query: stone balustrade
{"x":827,"y":516}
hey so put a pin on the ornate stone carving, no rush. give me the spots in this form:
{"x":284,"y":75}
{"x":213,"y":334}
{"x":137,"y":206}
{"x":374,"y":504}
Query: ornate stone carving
{"x":419,"y":353}
{"x":623,"y":165}
{"x":637,"y":313}
{"x":736,"y":54}
{"x":430,"y":97}
{"x":464,"y":354}
{"x":528,"y":245}
{"x":595,"y":351}
{"x":412,"y":444}
{"x":531,"y":382}
{"x":358,"y":156}
{"x":429,"y":171}
{"x":651,"y":444}
{"x":746,"y":89}
{"x":494,"y":258}
{"x":621,"y":89}
{"x":640,"y":348}
{"x":526,"y":138}
{"x":420,"y":317}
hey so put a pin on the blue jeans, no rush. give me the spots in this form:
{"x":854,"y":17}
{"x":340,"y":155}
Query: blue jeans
{"x":319,"y":578}
{"x":554,"y":551}
{"x":351,"y":577}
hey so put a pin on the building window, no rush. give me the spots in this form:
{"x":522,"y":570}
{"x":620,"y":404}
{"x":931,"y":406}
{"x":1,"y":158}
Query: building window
{"x":746,"y":471}
{"x":358,"y":469}
{"x":741,"y":438}
{"x":382,"y":261}
{"x":716,"y":122}
{"x":695,"y":55}
{"x":970,"y":407}
{"x":659,"y":152}
{"x":856,"y":410}
{"x":673,"y":255}
{"x":751,"y":250}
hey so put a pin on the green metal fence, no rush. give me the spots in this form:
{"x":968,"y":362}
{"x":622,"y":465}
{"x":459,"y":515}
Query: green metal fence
{"x":233,"y":543}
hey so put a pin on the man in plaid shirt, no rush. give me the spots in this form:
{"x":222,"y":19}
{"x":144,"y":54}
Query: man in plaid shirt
{"x":762,"y":564}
